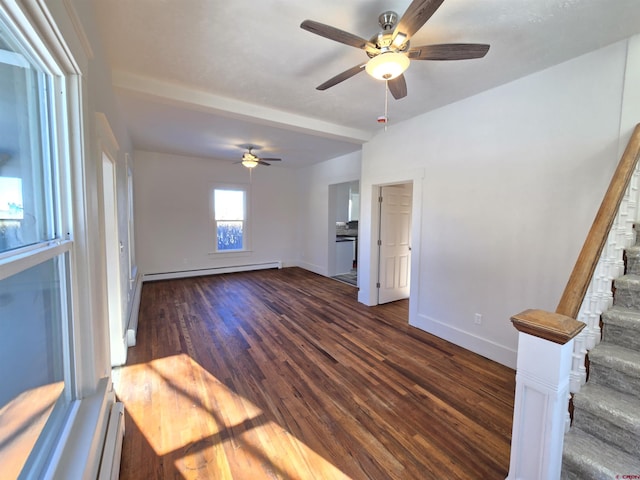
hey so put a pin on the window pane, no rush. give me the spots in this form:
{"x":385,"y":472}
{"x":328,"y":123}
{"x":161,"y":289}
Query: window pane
{"x":229,"y":204}
{"x":32,"y":306}
{"x":26,"y":190}
{"x":229,"y":235}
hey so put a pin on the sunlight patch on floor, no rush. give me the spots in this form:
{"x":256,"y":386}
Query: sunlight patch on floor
{"x":211,"y":427}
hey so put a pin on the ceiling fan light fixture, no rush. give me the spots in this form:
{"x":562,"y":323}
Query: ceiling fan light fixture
{"x":249,"y":160}
{"x":388,"y":65}
{"x":250,"y":163}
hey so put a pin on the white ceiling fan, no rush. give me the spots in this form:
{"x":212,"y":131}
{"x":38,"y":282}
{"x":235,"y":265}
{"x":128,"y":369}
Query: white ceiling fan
{"x":389,"y":51}
{"x":251,"y":160}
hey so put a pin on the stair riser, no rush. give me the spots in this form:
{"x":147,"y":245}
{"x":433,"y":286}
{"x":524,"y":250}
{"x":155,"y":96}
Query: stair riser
{"x":608,"y":377}
{"x":624,"y":337}
{"x":633,"y":264}
{"x":574,"y":472}
{"x":627,"y":296}
{"x":566,"y":474}
{"x":608,"y":432}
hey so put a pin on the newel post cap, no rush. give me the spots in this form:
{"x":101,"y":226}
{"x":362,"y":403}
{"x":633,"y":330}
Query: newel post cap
{"x":554,"y":327}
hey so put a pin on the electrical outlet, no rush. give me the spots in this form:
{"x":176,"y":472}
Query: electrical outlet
{"x":477,"y":319}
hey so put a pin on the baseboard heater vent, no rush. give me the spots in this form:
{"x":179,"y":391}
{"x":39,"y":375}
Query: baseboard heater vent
{"x":110,"y":463}
{"x":148,"y":277}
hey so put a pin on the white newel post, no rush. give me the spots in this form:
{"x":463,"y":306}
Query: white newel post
{"x":545,"y":350}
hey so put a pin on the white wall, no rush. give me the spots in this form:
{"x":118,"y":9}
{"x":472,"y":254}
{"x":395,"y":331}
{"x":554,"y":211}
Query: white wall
{"x":316,"y":217}
{"x":174,"y":225}
{"x":100,"y":100}
{"x":512,"y":180}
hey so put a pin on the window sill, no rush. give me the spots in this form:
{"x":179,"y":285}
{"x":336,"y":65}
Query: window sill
{"x":233,"y":253}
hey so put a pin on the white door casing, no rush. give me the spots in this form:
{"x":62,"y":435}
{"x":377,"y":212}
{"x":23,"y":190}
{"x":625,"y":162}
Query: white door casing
{"x":108,"y":149}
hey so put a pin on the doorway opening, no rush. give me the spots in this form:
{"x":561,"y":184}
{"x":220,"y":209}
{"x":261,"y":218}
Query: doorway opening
{"x":344,"y":213}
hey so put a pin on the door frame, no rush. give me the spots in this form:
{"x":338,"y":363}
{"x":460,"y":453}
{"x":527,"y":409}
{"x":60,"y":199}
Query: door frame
{"x":107,"y":151}
{"x":113,"y":249}
{"x":369,"y":228}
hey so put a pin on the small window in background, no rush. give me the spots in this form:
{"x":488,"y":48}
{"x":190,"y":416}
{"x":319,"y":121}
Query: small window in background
{"x":229,"y":211}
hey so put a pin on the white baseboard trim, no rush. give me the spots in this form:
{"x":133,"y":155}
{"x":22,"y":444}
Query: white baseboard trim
{"x":491,"y":350}
{"x":149,"y":277}
{"x":314,"y":268}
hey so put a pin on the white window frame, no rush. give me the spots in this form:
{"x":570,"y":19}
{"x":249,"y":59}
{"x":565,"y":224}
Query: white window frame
{"x":246,"y":227}
{"x":51,"y":56}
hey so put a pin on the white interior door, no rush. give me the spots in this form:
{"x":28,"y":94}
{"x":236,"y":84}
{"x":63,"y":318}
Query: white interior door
{"x":394,"y":270}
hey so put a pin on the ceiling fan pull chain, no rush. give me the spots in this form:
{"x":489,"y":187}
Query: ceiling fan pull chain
{"x":386,"y":103}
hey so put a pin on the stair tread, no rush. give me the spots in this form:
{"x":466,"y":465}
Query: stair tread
{"x":588,"y":454}
{"x":617,"y":357}
{"x":616,"y":407}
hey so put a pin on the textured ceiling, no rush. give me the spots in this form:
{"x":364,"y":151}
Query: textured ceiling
{"x":204,"y":77}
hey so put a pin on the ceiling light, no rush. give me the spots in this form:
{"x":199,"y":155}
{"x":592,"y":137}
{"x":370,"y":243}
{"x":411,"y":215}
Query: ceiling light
{"x":387,"y":66}
{"x":249,"y":162}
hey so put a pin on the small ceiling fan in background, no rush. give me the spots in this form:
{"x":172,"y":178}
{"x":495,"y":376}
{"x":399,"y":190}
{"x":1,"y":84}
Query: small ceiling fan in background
{"x":250,"y":160}
{"x":389,"y":51}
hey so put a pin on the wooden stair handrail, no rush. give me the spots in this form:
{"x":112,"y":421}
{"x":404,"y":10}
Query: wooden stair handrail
{"x":580,"y":278}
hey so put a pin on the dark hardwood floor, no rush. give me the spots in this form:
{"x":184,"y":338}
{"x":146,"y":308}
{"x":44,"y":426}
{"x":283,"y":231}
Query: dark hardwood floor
{"x":283,"y":374}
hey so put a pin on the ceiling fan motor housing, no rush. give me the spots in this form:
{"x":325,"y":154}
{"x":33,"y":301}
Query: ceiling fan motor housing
{"x":384,"y":40}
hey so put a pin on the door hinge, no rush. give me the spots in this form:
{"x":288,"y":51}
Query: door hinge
{"x":379,"y":243}
{"x":380,"y":199}
{"x":378,"y":285}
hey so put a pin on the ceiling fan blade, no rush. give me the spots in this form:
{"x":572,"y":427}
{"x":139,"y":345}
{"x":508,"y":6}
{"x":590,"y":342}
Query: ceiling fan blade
{"x":449,"y":51}
{"x":271,"y":159}
{"x":416,"y":16}
{"x":333,"y":33}
{"x":398,"y":87}
{"x":263,"y":163}
{"x":341,"y":77}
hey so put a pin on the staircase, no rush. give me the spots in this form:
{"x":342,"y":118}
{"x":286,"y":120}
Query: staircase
{"x":604,"y":440}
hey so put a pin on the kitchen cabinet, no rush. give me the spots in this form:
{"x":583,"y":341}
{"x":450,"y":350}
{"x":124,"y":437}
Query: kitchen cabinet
{"x":345,"y":252}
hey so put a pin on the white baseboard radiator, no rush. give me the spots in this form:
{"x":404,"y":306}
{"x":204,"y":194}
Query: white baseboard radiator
{"x":132,"y":324}
{"x":110,"y":462}
{"x":149,"y":277}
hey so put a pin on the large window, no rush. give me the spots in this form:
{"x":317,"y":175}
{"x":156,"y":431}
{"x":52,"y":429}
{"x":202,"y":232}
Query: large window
{"x":230,"y":219}
{"x":35,"y":318}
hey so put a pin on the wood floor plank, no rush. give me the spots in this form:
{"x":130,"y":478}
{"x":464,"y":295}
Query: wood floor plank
{"x":282,"y":374}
